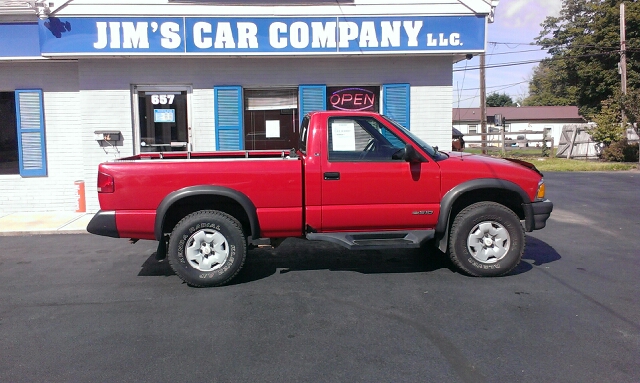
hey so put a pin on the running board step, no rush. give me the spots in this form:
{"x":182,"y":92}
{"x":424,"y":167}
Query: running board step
{"x":376,"y":240}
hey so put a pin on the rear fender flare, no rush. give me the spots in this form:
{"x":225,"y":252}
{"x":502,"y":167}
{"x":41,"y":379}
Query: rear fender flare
{"x":192,"y":191}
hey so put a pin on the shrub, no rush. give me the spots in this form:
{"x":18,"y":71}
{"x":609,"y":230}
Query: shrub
{"x":608,"y":127}
{"x":620,"y":151}
{"x":631,"y":152}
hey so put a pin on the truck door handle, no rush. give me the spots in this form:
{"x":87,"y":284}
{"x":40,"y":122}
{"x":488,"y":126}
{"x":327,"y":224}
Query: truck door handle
{"x":332,"y":176}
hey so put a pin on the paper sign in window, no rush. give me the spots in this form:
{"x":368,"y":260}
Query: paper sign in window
{"x":273,"y":128}
{"x":343,"y":135}
{"x":164,"y":115}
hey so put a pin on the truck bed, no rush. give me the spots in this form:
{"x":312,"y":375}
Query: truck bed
{"x":272,"y":180}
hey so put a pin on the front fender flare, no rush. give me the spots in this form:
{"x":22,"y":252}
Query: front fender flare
{"x":446,"y":204}
{"x":174,"y":197}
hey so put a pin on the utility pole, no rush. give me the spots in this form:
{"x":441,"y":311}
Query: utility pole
{"x":623,"y":63}
{"x":483,"y":103}
{"x":623,"y":55}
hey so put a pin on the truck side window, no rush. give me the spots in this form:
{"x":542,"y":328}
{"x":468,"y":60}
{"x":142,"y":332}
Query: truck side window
{"x":361,"y":139}
{"x":304,"y":132}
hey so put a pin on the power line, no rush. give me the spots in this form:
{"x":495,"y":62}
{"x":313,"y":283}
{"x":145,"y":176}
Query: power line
{"x":499,"y":86}
{"x":511,"y":53}
{"x":515,"y":63}
{"x":516,"y":44}
{"x":614,"y":50}
{"x":553,"y":46}
{"x":460,"y":90}
{"x":474,"y":97}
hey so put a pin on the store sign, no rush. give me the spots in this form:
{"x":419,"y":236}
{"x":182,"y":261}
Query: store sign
{"x":262,"y":36}
{"x":353,"y":98}
{"x":19,"y":40}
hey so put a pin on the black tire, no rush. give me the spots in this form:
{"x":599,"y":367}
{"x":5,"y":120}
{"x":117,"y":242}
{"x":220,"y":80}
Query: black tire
{"x":207,"y":248}
{"x":486,"y":240}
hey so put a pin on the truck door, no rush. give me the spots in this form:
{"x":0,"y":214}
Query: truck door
{"x":365,"y":189}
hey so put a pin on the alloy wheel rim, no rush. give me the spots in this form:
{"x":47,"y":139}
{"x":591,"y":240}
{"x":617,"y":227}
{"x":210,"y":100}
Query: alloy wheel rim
{"x":207,"y":250}
{"x":488,"y":242}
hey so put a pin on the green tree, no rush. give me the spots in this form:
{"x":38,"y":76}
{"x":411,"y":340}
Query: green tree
{"x":608,"y":121}
{"x":502,"y":99}
{"x":584,"y":45}
{"x":549,"y":86}
{"x":631,"y":105}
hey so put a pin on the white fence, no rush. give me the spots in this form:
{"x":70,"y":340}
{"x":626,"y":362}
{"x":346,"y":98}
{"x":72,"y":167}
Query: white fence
{"x":575,"y":142}
{"x":506,"y":141}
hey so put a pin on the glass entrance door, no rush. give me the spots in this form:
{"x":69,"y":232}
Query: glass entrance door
{"x":162,"y":120}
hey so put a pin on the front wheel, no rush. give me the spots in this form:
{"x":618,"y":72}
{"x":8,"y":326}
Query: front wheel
{"x":207,"y":248}
{"x":486,"y":240}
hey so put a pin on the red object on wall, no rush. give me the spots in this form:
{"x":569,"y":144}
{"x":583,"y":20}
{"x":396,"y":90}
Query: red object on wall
{"x":81,"y":202}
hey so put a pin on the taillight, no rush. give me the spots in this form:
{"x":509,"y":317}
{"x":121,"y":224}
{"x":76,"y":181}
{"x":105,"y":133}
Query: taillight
{"x":105,"y":183}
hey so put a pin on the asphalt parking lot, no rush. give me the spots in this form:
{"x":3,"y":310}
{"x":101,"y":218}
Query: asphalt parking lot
{"x":82,"y":308}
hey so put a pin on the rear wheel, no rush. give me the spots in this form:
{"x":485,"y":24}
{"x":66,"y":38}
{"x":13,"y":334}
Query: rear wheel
{"x":486,"y":240}
{"x":207,"y":248}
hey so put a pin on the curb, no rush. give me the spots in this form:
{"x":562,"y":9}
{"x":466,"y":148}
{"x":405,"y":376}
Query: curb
{"x":40,"y":232}
{"x":44,"y":223}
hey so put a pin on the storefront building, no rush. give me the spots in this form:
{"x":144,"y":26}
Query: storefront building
{"x":82,"y":83}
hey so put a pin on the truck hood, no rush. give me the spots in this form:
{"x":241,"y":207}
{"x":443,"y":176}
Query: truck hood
{"x":473,"y":160}
{"x":463,"y":167}
{"x":525,"y":164}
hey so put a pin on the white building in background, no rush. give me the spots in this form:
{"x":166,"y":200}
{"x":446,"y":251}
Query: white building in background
{"x":82,"y":83}
{"x":549,"y":119}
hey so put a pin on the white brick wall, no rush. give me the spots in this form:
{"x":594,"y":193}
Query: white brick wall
{"x":430,"y":78}
{"x":205,"y":73}
{"x":103,"y":110}
{"x":96,"y":94}
{"x":56,"y":192}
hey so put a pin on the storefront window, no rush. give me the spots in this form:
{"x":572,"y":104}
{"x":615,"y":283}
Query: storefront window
{"x":271,"y":119}
{"x":163,"y":124}
{"x":9,"y":163}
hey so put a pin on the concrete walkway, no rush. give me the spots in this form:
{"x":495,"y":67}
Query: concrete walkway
{"x":58,"y":222}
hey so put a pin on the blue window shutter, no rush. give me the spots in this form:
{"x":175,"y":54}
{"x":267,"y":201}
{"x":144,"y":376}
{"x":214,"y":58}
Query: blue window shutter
{"x":397,"y":103}
{"x":312,"y":98}
{"x":32,"y":150}
{"x":228,"y":117}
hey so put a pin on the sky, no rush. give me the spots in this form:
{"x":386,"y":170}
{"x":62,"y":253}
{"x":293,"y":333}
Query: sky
{"x":517,"y":24}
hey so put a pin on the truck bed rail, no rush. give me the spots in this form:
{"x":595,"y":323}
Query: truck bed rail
{"x":255,"y":154}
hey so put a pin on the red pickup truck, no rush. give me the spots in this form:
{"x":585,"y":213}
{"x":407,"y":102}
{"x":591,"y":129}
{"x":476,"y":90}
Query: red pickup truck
{"x":358,"y":179}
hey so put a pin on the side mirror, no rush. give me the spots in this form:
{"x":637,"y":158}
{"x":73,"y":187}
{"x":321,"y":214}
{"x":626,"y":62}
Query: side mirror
{"x":408,"y":154}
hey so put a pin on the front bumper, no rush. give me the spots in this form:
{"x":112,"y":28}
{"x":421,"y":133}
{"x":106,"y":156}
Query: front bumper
{"x":536,"y":214}
{"x":541,"y":212}
{"x":104,"y":223}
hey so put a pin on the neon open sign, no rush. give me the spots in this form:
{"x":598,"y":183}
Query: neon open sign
{"x":353,"y":99}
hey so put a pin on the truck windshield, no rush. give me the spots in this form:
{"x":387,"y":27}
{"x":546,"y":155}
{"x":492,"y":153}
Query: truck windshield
{"x":426,"y":147}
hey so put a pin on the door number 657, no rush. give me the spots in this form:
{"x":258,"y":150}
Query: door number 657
{"x":162,"y":99}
